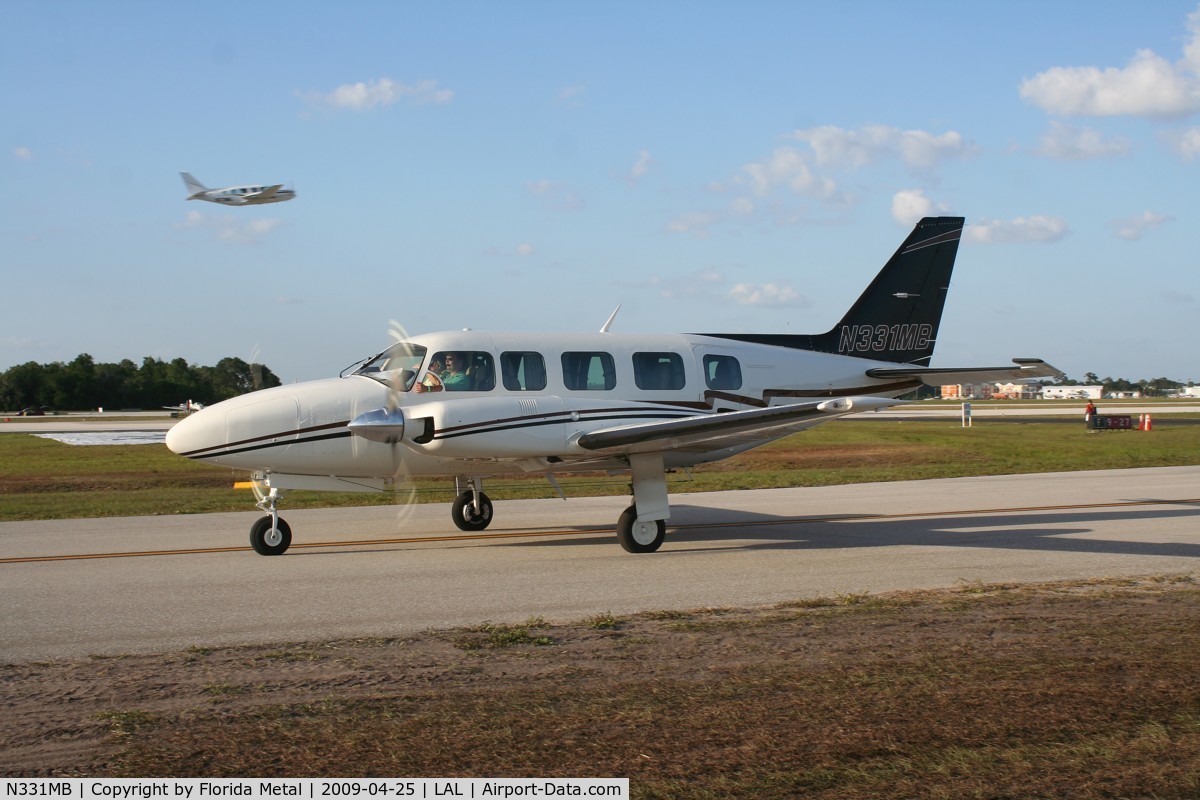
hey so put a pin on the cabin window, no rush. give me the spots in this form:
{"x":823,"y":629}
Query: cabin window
{"x":658,"y":371}
{"x":722,"y":372}
{"x":460,"y":371}
{"x":587,"y":372}
{"x":523,"y":371}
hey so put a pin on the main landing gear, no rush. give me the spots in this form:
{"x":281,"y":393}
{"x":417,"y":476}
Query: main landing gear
{"x":640,"y":537}
{"x":643,"y":526}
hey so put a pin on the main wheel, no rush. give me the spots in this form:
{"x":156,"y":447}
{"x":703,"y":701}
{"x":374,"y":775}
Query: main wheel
{"x":640,"y":537}
{"x":270,"y":541}
{"x":469,"y":518}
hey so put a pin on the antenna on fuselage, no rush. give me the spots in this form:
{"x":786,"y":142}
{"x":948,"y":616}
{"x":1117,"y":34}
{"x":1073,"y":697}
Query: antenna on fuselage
{"x":604,"y":328}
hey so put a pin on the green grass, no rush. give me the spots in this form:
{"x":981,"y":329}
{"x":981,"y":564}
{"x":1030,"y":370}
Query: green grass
{"x":45,"y":479}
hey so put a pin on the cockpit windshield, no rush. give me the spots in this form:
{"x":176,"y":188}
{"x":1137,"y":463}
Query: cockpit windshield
{"x":402,"y":357}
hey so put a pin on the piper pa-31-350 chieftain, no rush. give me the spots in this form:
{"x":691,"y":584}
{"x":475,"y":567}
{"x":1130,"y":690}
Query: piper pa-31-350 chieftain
{"x":474,"y":404}
{"x":236,"y":195}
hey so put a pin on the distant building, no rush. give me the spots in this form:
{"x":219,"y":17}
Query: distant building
{"x":968,"y":391}
{"x":1017,"y":391}
{"x":1072,"y":392}
{"x":1190,"y":391}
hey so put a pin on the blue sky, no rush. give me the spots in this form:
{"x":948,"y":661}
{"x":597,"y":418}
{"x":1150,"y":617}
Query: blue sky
{"x":528,"y":166}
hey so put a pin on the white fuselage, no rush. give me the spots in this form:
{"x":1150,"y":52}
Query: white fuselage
{"x":243,"y":196}
{"x":532,"y":396}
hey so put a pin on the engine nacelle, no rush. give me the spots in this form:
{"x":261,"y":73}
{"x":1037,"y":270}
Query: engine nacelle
{"x":489,"y":427}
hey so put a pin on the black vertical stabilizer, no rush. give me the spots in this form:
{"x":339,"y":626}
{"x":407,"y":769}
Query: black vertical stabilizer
{"x":897,"y":317}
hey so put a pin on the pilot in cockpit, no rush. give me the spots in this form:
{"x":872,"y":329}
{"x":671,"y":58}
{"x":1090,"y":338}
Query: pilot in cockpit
{"x":455,"y":377}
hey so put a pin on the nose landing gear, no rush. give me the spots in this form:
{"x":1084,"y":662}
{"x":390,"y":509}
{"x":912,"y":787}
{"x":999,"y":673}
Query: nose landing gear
{"x":472,"y":510}
{"x":270,"y":535}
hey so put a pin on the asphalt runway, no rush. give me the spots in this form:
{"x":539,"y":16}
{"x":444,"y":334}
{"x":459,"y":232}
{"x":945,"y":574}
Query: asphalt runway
{"x":76,"y":588}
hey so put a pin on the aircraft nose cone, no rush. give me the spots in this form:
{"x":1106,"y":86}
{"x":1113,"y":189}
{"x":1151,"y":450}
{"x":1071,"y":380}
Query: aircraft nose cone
{"x":196,"y":432}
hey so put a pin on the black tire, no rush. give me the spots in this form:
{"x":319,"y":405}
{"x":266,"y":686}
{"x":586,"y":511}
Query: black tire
{"x":268,"y":541}
{"x":469,"y":519}
{"x":640,"y":537}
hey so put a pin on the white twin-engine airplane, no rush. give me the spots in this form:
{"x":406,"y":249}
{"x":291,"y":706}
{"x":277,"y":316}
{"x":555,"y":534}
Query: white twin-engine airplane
{"x":236,"y":195}
{"x":474,"y":404}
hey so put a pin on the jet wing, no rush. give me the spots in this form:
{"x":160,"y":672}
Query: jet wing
{"x":725,"y":430}
{"x":1025,"y":369}
{"x":267,"y":193}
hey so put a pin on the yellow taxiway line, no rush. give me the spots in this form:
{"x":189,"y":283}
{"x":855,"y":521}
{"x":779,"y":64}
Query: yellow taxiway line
{"x":589,"y":531}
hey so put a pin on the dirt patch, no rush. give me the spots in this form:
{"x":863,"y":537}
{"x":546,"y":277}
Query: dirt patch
{"x":1080,"y":690}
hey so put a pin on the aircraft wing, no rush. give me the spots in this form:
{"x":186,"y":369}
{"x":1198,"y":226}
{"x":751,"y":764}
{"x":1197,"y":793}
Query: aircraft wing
{"x":725,"y":430}
{"x":266,"y":193}
{"x":1025,"y":369}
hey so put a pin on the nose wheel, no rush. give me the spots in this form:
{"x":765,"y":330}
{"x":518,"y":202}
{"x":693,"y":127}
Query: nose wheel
{"x":470,"y":513}
{"x":269,"y":535}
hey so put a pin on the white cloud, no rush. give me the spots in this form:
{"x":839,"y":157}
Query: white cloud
{"x":377,"y":93}
{"x":849,"y":149}
{"x":1148,"y":86}
{"x":766,"y":295}
{"x":1020,"y":230}
{"x":229,"y":230}
{"x":1186,"y":144}
{"x":22,"y":154}
{"x":1077,"y":144}
{"x":639,"y":168}
{"x":910,"y":205}
{"x":706,"y":284}
{"x":787,"y":167}
{"x":741,"y":207}
{"x":695,"y":224}
{"x":555,"y":195}
{"x":524,"y":249}
{"x":1133,"y":228}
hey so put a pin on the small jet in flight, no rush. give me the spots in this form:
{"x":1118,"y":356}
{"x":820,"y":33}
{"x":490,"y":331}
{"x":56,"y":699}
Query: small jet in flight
{"x":472,"y":404}
{"x":236,"y":195}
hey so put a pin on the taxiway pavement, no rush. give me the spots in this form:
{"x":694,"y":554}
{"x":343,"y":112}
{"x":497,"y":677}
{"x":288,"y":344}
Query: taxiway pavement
{"x":560,"y":560}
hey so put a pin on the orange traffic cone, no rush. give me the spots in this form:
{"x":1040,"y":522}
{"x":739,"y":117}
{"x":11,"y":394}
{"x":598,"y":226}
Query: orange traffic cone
{"x":1148,"y":423}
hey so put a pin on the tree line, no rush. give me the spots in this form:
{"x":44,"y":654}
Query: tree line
{"x":83,"y":384}
{"x":1152,"y":387}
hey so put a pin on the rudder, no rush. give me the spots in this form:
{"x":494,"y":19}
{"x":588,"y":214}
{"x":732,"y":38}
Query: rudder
{"x":897,"y":317}
{"x":194,"y":186}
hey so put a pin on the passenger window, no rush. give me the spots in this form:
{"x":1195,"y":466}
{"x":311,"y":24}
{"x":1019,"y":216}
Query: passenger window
{"x":722,"y":372}
{"x":658,"y":371}
{"x":584,"y":372}
{"x":460,"y":371}
{"x":523,"y":371}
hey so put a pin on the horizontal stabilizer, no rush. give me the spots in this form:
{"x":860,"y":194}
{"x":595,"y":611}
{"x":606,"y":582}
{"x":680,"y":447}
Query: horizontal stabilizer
{"x":1026,"y":369}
